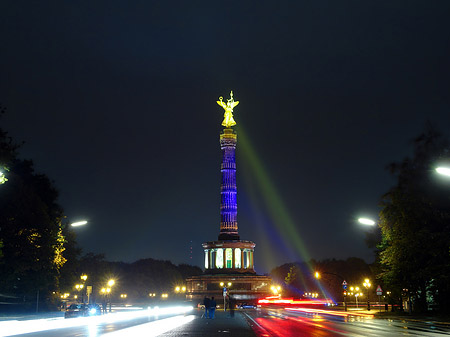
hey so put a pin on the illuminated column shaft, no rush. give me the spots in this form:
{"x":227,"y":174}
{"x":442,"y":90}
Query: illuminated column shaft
{"x":228,"y":191}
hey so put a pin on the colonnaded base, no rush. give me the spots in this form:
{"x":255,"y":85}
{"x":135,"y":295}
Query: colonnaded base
{"x":228,"y":263}
{"x":243,"y":288}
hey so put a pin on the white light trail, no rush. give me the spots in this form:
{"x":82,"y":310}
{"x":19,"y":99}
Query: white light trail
{"x":154,"y":328}
{"x":15,"y":327}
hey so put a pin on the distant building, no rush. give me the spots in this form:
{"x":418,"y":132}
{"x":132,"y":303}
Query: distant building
{"x":228,"y":261}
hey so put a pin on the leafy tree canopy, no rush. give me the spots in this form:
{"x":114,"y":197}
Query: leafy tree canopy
{"x":33,"y":239}
{"x":415,"y":225}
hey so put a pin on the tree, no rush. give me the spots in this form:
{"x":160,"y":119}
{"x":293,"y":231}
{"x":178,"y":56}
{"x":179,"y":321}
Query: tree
{"x":299,"y":277}
{"x":33,"y":239}
{"x":415,"y":226}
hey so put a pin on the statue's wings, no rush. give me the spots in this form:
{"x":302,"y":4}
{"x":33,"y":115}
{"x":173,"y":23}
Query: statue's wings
{"x":222,"y":104}
{"x":234,"y":104}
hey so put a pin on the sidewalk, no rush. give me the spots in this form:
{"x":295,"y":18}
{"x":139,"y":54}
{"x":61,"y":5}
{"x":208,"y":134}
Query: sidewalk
{"x":221,"y":325}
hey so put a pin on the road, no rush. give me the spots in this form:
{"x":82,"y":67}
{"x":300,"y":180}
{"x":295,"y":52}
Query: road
{"x":152,"y":322}
{"x":263,"y":322}
{"x":281,"y":322}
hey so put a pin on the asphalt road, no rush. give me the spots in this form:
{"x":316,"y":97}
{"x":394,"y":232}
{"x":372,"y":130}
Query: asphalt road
{"x":126,"y":323}
{"x":245,"y":323}
{"x":280,"y":322}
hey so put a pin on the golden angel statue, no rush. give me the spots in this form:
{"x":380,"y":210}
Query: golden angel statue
{"x":228,"y":119}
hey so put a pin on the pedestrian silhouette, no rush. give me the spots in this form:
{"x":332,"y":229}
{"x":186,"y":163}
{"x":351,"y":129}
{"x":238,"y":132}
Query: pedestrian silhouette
{"x":212,"y":308}
{"x":206,"y":303}
{"x":231,"y":305}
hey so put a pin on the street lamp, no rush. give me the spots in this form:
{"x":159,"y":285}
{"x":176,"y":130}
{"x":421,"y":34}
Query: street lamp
{"x":445,"y":171}
{"x":179,"y":289}
{"x":366,"y":221}
{"x":108,"y":290}
{"x":84,"y":278}
{"x":79,"y":223}
{"x":367,"y":285}
{"x":344,"y":284}
{"x":356,"y":289}
{"x":275,"y":289}
{"x":79,"y":288}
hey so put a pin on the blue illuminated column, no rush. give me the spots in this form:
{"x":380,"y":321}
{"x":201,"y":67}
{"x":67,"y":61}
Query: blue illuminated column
{"x":228,"y":191}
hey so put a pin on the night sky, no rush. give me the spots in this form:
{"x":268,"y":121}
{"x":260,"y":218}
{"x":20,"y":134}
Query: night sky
{"x":116,"y":102}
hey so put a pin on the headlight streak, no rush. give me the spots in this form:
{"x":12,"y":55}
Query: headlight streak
{"x":291,"y":301}
{"x":329,"y":312}
{"x":154,"y":328}
{"x":15,"y":327}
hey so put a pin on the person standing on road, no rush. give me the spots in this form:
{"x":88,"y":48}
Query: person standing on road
{"x":231,"y":306}
{"x":212,"y":308}
{"x":206,"y":303}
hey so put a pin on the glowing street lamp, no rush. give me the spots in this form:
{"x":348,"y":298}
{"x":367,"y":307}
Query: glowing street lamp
{"x":367,"y":285}
{"x":275,"y":289}
{"x":79,"y":223}
{"x":108,"y":290}
{"x":317,"y":276}
{"x":79,"y":288}
{"x":84,"y":278}
{"x":445,"y":171}
{"x":179,"y":289}
{"x":366,"y":221}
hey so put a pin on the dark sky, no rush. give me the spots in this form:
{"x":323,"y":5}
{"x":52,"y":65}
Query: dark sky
{"x":115,"y":101}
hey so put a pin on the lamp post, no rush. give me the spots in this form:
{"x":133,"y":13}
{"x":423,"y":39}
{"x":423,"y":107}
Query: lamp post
{"x":108,"y":290}
{"x":344,"y":284}
{"x":356,"y":296}
{"x":276,"y":290}
{"x":105,"y":301}
{"x":83,"y":278}
{"x":79,"y":288}
{"x":367,"y":285}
